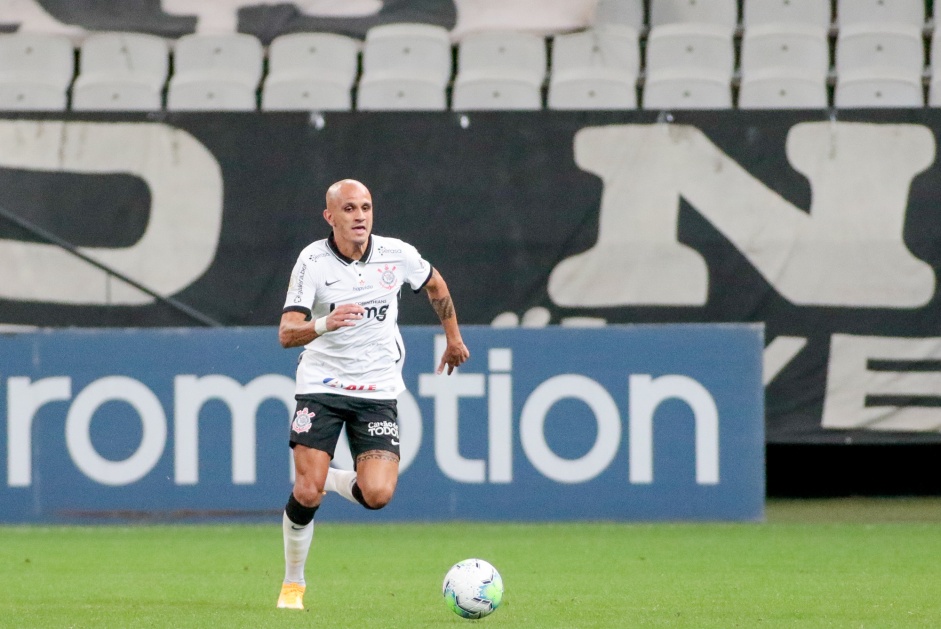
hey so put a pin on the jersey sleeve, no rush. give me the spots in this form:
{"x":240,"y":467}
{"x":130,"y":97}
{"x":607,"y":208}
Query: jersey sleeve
{"x":301,"y":289}
{"x":417,"y":269}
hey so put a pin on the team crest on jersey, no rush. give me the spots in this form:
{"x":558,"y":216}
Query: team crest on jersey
{"x":302,"y":421}
{"x":387,"y":277}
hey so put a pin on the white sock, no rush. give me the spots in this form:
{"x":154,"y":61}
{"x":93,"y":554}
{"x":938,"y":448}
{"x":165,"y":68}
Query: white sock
{"x":296,"y":546}
{"x":341,"y":482}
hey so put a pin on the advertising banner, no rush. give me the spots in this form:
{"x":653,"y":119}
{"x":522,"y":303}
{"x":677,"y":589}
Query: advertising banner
{"x":621,"y":423}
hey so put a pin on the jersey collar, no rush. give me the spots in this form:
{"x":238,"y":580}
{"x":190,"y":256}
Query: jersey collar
{"x":332,"y":244}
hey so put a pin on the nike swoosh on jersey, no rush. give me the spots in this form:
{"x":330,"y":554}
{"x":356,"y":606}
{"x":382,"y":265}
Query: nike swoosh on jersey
{"x":332,"y":283}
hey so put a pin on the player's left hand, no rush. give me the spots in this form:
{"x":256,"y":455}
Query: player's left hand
{"x":454,"y":356}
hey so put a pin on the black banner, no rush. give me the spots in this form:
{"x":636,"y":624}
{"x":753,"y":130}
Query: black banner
{"x":265,"y":20}
{"x":828,"y":231}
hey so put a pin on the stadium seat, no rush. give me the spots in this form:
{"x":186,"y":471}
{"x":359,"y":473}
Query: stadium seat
{"x":115,"y":94}
{"x":704,"y":46}
{"x":809,"y":12}
{"x":910,"y":12}
{"x":628,"y":13}
{"x":208,"y":92}
{"x":500,"y":70}
{"x":595,"y":69}
{"x":878,"y":87}
{"x":422,"y":49}
{"x":722,"y":13}
{"x":864,"y":45}
{"x":592,"y":88}
{"x":398,"y":93}
{"x":311,"y":71}
{"x":35,"y":71}
{"x":793,"y":46}
{"x":597,"y":48}
{"x":121,"y":71}
{"x":782,"y":88}
{"x":686,"y":88}
{"x":408,"y":64}
{"x":215,"y":72}
{"x":484,"y":52}
{"x":495,"y":90}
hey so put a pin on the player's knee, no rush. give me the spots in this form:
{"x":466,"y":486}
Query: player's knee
{"x":377,"y":495}
{"x":307,"y":493}
{"x":379,"y":500}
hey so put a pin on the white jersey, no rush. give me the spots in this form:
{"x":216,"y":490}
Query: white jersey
{"x":364,"y":360}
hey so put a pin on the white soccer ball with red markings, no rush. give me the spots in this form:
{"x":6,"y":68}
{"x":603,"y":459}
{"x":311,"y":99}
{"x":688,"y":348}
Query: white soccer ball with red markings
{"x":472,"y":588}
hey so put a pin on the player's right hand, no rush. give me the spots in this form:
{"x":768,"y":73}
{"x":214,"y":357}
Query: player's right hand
{"x":344,"y":316}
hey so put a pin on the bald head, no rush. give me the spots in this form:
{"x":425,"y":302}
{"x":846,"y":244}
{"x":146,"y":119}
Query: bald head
{"x":349,"y":213}
{"x":344,"y":188}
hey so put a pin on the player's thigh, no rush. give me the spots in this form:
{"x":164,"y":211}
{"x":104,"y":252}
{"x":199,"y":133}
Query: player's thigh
{"x":377,"y":474}
{"x":377,"y":470}
{"x":310,"y":468}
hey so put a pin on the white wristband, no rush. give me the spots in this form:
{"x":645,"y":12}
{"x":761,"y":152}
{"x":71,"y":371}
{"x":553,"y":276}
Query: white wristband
{"x":320,"y":326}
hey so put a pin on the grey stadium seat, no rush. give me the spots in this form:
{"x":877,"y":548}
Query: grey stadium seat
{"x":705,"y":46}
{"x":863,"y":45}
{"x":722,"y":13}
{"x":782,"y":88}
{"x":799,"y":47}
{"x":500,"y":70}
{"x":686,"y":88}
{"x":807,"y":12}
{"x":405,"y":66}
{"x":121,"y":71}
{"x":595,"y":69}
{"x":35,"y":71}
{"x":311,"y":71}
{"x":216,"y":72}
{"x":878,"y":87}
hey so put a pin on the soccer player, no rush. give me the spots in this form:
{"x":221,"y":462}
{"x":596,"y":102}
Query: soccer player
{"x":342,"y":306}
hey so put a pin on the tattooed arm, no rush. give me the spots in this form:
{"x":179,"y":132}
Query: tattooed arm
{"x":440,"y":298}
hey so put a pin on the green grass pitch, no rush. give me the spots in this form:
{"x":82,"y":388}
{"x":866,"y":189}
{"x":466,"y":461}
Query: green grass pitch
{"x":836,"y":563}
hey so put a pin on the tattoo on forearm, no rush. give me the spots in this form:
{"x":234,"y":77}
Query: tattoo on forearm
{"x":444,"y":307}
{"x":380,"y":455}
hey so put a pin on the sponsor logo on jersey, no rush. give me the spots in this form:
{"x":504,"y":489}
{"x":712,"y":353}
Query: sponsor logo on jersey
{"x":383,"y":250}
{"x":316,"y":256}
{"x":385,"y":428}
{"x":335,"y":383}
{"x":387,"y":278}
{"x":299,"y":284}
{"x":378,"y":313}
{"x":302,"y":420}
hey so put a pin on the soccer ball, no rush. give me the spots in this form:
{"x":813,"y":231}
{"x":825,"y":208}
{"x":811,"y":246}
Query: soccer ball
{"x":472,"y":588}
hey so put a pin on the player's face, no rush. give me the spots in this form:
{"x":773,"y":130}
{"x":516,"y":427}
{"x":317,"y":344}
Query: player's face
{"x":349,"y":212}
